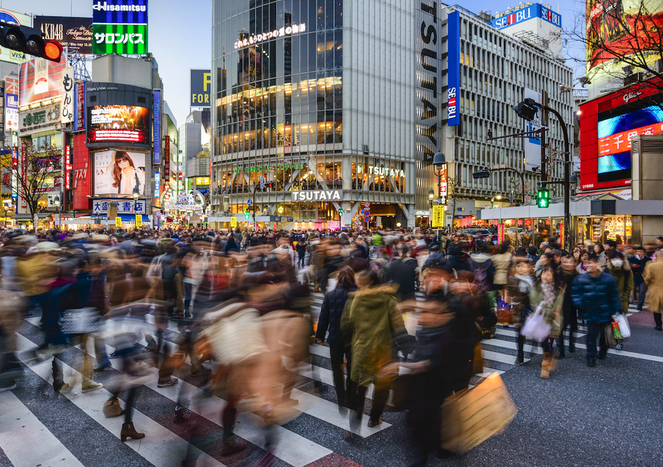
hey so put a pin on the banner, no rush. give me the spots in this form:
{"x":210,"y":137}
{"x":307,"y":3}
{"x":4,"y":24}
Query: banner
{"x":156,"y":131}
{"x":67,"y":108}
{"x":500,"y":234}
{"x":453,"y":90}
{"x":11,"y":103}
{"x":201,"y":83}
{"x":40,"y":79}
{"x":72,"y":32}
{"x":119,"y":11}
{"x":438,"y":216}
{"x":119,"y":172}
{"x":130,"y":39}
{"x":79,"y":116}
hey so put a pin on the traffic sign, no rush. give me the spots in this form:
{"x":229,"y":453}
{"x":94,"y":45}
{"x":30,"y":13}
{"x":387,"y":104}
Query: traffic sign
{"x":249,"y":202}
{"x":367,"y":219}
{"x":362,"y":212}
{"x":367,"y":204}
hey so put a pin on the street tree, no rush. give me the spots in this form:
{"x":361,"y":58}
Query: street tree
{"x":31,"y":175}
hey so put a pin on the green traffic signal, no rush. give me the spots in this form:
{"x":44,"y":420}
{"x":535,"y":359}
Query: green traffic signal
{"x":543,"y":198}
{"x":246,"y":214}
{"x":340,"y":212}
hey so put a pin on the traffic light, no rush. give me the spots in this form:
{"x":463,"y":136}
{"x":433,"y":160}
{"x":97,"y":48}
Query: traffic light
{"x":29,"y":40}
{"x":481,"y":174}
{"x":247,"y":214}
{"x":340,"y":212}
{"x":543,"y":198}
{"x":526,"y":109}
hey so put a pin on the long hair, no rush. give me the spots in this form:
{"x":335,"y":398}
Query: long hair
{"x":117,"y":171}
{"x":346,"y":278}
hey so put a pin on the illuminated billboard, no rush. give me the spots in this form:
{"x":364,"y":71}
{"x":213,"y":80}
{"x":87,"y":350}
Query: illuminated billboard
{"x":119,"y":26}
{"x":118,"y":123}
{"x":119,"y":172}
{"x":40,"y":79}
{"x":72,"y":32}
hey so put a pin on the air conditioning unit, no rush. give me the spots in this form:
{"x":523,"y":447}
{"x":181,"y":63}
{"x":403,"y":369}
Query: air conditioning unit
{"x":658,"y":66}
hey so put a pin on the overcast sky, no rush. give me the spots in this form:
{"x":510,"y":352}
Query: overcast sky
{"x":190,"y":20}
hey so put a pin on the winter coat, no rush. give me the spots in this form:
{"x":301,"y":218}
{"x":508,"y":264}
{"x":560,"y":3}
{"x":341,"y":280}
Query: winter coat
{"x":596,"y":297}
{"x":330,"y":315}
{"x":369,"y":319}
{"x":569,"y":309}
{"x":502,"y":264}
{"x":638,"y":268}
{"x":552,"y":314}
{"x":484,"y":271}
{"x":518,"y":291}
{"x":459,"y":261}
{"x":35,"y":270}
{"x":653,"y":277}
{"x":624,"y":281}
{"x":403,"y":271}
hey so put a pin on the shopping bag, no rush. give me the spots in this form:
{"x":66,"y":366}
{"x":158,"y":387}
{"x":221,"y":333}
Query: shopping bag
{"x":473,"y":415}
{"x":616,"y":333}
{"x":609,"y":336}
{"x":81,"y":321}
{"x":624,"y":327}
{"x":535,"y":326}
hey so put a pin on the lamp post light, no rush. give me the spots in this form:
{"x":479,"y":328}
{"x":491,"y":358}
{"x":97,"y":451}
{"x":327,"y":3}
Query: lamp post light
{"x":431,"y":195}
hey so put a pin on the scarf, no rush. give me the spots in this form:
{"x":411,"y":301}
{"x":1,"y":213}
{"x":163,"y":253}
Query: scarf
{"x":548,"y":294}
{"x":526,"y":283}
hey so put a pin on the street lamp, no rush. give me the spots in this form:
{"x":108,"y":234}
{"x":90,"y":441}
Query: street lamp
{"x":439,"y":161}
{"x":431,"y":195}
{"x":527,"y":110}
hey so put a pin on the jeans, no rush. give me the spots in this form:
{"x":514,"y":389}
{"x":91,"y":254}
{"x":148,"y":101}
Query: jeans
{"x":642,"y":293}
{"x":338,"y":355}
{"x":358,"y":397}
{"x":594,"y":331}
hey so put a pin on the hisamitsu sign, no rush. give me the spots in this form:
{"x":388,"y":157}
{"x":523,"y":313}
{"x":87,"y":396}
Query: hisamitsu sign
{"x":201,"y":82}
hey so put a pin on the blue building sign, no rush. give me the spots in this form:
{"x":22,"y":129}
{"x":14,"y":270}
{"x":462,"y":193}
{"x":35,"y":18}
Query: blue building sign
{"x":524,"y":14}
{"x":453,"y":89}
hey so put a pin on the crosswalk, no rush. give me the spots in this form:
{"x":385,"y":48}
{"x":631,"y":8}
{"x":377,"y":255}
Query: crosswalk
{"x":28,"y":437}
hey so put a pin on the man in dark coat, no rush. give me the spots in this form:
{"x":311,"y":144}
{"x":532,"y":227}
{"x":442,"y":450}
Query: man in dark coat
{"x":595,"y":295}
{"x":638,"y":263}
{"x":403,"y":271}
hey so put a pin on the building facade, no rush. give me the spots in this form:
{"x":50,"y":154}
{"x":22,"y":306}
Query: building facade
{"x":328,"y":113}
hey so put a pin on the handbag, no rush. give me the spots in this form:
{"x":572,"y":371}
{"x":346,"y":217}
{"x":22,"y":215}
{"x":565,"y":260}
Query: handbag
{"x":81,"y":321}
{"x":535,"y":327}
{"x":623,"y":325}
{"x":609,"y":336}
{"x":112,"y":408}
{"x":504,"y":312}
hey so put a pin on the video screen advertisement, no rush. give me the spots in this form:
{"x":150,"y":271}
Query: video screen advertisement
{"x":607,"y":125}
{"x":118,"y":124}
{"x":118,"y":172}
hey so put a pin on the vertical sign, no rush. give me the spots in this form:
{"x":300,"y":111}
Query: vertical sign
{"x":67,"y":167}
{"x":443,"y":182}
{"x":453,"y":90}
{"x":500,"y":233}
{"x":67,"y":108}
{"x":139,"y":221}
{"x":438,"y":216}
{"x":157,"y":126}
{"x":429,"y":133}
{"x":233,"y":222}
{"x":79,"y":115}
{"x":11,"y":103}
{"x":157,"y":185}
{"x":533,"y":143}
{"x":166,"y":159}
{"x":118,"y":222}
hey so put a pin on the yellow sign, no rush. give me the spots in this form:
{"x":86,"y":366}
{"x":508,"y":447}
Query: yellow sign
{"x":118,"y":222}
{"x":139,"y":221}
{"x":500,"y":233}
{"x":202,"y":181}
{"x":233,"y":222}
{"x":438,"y":217}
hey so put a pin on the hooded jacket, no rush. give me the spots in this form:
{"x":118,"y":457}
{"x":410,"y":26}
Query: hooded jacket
{"x":596,"y":297}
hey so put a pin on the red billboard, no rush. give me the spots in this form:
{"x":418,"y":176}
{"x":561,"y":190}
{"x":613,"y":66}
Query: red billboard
{"x":40,"y":79}
{"x":118,"y":123}
{"x":607,"y":125}
{"x":81,"y":174}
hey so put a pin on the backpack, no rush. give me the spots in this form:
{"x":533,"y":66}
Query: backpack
{"x":483,"y":276}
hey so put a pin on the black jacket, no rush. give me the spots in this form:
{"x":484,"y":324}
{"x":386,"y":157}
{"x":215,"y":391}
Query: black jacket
{"x":330,"y":315}
{"x":638,"y":271}
{"x":403,"y":271}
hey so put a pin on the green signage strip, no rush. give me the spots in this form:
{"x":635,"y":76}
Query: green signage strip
{"x":268,"y":168}
{"x":130,"y":39}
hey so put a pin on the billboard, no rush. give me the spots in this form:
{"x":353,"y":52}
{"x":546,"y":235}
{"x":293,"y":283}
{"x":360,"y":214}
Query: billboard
{"x":532,"y":11}
{"x":156,"y":128}
{"x":201,"y":82}
{"x":7,"y":16}
{"x":119,"y":172}
{"x":11,"y":103}
{"x":118,"y":123}
{"x":453,"y":90}
{"x":72,"y":32}
{"x":40,"y":79}
{"x":533,"y":142}
{"x":119,"y":26}
{"x":120,"y":39}
{"x":68,"y":101}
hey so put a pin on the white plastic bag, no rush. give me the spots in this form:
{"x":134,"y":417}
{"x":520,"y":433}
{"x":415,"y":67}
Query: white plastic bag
{"x":624,"y":327}
{"x":535,"y":327}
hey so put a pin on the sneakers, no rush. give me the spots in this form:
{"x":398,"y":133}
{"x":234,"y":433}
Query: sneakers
{"x":619,"y":346}
{"x":167,"y":383}
{"x":91,"y":386}
{"x":181,"y":414}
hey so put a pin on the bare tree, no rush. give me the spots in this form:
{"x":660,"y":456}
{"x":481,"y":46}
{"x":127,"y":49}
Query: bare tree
{"x":29,"y":174}
{"x":620,"y":38}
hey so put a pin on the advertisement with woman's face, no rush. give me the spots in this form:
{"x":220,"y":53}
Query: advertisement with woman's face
{"x":119,"y":172}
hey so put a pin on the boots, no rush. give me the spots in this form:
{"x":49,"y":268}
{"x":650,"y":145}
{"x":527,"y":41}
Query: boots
{"x":572,"y":341}
{"x":560,"y":346}
{"x":128,"y":431}
{"x":546,"y":364}
{"x":520,"y":359}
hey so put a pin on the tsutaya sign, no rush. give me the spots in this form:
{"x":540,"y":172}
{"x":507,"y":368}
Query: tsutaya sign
{"x":386,"y":171}
{"x":322,"y":195}
{"x":265,"y":36}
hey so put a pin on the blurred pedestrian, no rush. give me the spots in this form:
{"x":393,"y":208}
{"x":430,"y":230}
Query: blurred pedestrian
{"x":653,"y":277}
{"x":548,"y":296}
{"x":620,"y":271}
{"x":638,"y":263}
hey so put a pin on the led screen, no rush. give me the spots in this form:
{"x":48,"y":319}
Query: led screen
{"x":615,"y":135}
{"x":118,"y":123}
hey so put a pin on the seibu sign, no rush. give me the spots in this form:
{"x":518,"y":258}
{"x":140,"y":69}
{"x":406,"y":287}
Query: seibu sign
{"x":321,"y":195}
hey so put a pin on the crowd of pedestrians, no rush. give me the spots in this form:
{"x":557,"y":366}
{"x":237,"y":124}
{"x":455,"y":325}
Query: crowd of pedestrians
{"x":242,"y":304}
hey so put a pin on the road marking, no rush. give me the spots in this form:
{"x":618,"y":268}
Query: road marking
{"x":500,"y":357}
{"x":160,"y":446}
{"x":26,"y":441}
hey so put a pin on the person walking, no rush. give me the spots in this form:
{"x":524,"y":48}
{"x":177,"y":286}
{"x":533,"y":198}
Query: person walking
{"x":330,"y":321}
{"x":518,"y":288}
{"x":548,"y":296}
{"x":621,"y":272}
{"x":638,"y":263}
{"x":595,"y":295}
{"x":568,"y":272}
{"x":653,"y":277}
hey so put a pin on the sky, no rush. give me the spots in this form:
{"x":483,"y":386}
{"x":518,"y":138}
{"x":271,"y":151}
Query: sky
{"x":191,"y":21}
